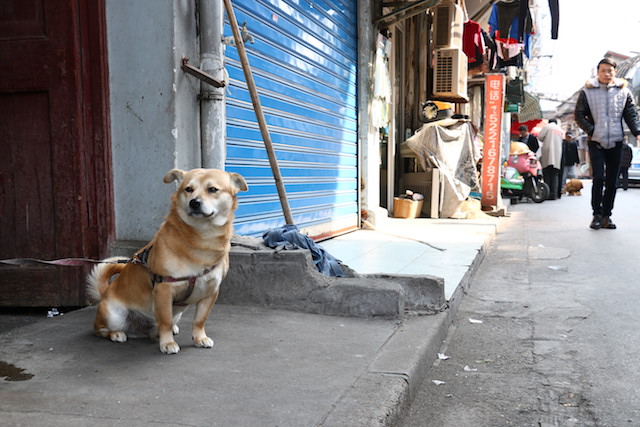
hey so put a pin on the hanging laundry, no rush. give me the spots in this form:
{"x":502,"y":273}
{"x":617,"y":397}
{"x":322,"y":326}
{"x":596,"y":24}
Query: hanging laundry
{"x":524,"y":25}
{"x":509,"y":54}
{"x":506,"y":51}
{"x":381,"y":84}
{"x":554,"y":7}
{"x":491,"y":49}
{"x":525,"y":21}
{"x":473,"y":43}
{"x":509,"y":32}
{"x":506,"y":13}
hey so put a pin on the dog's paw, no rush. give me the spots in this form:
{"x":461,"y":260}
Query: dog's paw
{"x":203,"y":342}
{"x":169,"y":348}
{"x":118,"y":336}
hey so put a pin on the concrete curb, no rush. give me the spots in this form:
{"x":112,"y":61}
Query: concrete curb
{"x":382,"y":393}
{"x":289,"y":280}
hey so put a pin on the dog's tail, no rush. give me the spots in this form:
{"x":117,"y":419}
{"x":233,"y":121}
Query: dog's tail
{"x":101,"y":275}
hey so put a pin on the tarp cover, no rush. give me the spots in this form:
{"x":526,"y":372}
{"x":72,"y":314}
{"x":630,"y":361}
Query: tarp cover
{"x":449,"y":146}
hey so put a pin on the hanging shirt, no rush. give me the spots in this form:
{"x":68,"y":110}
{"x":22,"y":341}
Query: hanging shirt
{"x":507,"y":51}
{"x":381,"y":84}
{"x":506,"y":13}
{"x":473,"y":43}
{"x":510,"y":33}
{"x":492,"y":50}
{"x":554,"y":7}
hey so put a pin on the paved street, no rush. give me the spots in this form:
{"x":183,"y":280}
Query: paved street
{"x":557,"y":346}
{"x":269,"y":367}
{"x":560,"y":332}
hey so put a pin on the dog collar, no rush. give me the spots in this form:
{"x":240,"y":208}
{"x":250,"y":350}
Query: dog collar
{"x":142,"y":257}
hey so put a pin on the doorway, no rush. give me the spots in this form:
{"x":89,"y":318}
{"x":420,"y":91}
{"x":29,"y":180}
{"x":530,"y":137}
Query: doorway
{"x":55,"y":168}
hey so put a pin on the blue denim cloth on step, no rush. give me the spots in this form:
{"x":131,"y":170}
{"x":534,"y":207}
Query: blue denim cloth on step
{"x":288,"y":237}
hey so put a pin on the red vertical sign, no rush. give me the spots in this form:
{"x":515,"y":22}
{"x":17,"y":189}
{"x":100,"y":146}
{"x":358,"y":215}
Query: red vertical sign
{"x":494,"y":93}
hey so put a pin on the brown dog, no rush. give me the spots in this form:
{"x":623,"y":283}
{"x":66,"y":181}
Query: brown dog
{"x":573,"y":187}
{"x":183,"y":264}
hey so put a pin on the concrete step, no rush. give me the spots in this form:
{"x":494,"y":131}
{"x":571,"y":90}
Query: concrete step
{"x":288,"y":279}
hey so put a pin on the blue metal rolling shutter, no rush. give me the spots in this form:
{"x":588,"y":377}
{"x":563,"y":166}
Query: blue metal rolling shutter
{"x":304,"y":65}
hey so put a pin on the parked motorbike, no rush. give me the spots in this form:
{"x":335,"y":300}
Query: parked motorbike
{"x":521,"y":175}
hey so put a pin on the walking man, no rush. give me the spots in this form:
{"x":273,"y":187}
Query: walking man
{"x":570,"y":158}
{"x":527,"y":138}
{"x":625,"y":164}
{"x":602,"y":104}
{"x":551,"y":137}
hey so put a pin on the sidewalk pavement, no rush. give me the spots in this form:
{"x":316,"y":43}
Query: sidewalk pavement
{"x":269,"y":367}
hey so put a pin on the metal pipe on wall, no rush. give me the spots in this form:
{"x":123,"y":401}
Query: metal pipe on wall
{"x":213,"y":119}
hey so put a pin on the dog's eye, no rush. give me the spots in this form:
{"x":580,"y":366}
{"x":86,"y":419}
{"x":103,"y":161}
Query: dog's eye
{"x":189,"y":189}
{"x":213,"y":190}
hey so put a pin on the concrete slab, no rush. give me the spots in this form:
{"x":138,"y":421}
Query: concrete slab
{"x":443,"y":248}
{"x":268,"y":367}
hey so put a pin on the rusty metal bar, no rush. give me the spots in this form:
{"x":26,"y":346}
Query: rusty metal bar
{"x":198,"y":73}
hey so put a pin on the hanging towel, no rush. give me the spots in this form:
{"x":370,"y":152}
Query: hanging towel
{"x":288,"y":237}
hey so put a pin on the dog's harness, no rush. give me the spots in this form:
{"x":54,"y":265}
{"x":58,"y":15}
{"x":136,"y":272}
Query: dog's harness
{"x":142,"y":258}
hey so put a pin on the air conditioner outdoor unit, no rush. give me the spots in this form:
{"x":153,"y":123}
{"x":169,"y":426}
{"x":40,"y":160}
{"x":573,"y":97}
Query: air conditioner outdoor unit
{"x":448,"y":24}
{"x":450,"y":75}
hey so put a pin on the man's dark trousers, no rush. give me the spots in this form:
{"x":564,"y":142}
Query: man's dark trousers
{"x":605,"y":167}
{"x":551,"y":176}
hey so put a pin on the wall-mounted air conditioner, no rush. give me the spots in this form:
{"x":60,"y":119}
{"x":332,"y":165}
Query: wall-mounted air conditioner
{"x":448,"y":23}
{"x":450,"y":75}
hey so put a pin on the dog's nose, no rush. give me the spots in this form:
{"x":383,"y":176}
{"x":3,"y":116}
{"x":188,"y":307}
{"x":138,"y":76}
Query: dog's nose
{"x":195,"y":204}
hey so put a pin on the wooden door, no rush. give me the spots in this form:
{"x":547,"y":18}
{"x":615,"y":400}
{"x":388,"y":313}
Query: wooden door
{"x":55,"y":185}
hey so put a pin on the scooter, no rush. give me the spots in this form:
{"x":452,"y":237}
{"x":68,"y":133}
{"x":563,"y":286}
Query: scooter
{"x":521,"y":176}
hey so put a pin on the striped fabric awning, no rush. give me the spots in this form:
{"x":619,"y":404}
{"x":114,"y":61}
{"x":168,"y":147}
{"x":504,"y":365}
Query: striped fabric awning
{"x":530,"y":110}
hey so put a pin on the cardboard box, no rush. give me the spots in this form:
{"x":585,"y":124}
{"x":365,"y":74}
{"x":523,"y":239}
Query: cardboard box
{"x":406,"y":208}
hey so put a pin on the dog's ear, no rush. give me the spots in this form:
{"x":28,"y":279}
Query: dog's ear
{"x":173,"y":175}
{"x":238,"y":181}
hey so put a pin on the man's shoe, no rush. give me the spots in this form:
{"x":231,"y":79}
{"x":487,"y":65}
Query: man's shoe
{"x":595,"y":224}
{"x":606,"y":223}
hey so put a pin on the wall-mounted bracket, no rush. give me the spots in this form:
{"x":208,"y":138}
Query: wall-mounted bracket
{"x":199,"y":74}
{"x":405,"y":10}
{"x":244,"y":32}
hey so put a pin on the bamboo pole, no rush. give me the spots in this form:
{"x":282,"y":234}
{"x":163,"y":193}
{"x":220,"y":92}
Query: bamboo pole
{"x":257,"y":107}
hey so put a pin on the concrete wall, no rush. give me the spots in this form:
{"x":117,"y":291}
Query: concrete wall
{"x":154,"y":107}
